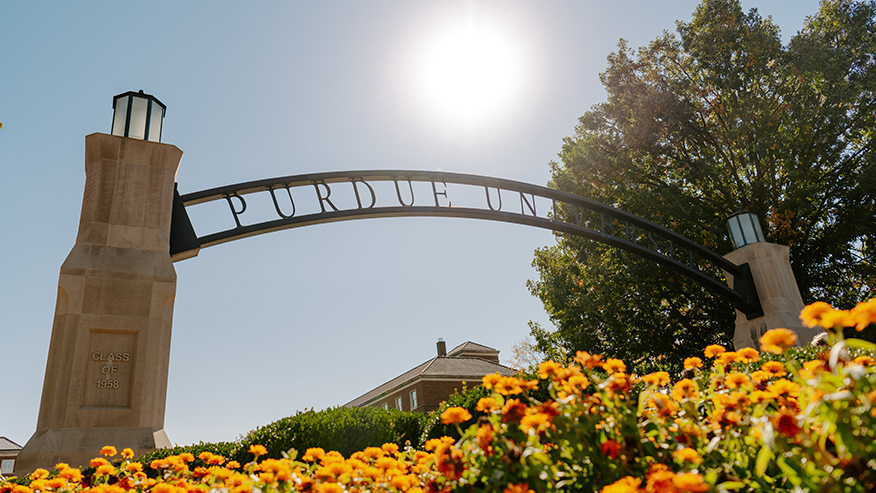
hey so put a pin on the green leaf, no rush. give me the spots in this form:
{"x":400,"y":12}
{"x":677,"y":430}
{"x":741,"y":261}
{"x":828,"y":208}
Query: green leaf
{"x":763,"y":460}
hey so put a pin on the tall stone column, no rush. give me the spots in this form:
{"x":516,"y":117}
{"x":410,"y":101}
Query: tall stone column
{"x":778,"y":292}
{"x":106,"y":374}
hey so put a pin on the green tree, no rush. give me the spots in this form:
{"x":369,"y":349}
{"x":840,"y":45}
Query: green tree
{"x":717,"y":117}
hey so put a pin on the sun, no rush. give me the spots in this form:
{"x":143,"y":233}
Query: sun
{"x":470,"y":73}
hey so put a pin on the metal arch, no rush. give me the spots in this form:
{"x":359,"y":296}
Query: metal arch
{"x":185,"y":244}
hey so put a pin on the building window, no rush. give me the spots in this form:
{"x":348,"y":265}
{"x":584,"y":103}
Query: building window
{"x":7,"y":466}
{"x":398,"y":404}
{"x":385,"y":405}
{"x":413,"y":400}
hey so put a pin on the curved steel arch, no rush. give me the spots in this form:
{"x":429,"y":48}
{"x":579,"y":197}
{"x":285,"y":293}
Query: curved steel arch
{"x":591,"y":219}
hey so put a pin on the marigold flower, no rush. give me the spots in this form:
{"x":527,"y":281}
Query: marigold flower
{"x":610,"y":448}
{"x":232,"y":465}
{"x":760,"y":376}
{"x":484,"y":437}
{"x":627,"y":484}
{"x":687,"y":454}
{"x":812,"y":314}
{"x":614,"y":366}
{"x":127,"y":454}
{"x":392,"y":448}
{"x":588,"y":360}
{"x":777,"y":340}
{"x":786,"y":423}
{"x":258,"y":450}
{"x":39,"y":474}
{"x":536,"y":421}
{"x":491,"y":380}
{"x":329,"y":488}
{"x":714,"y":350}
{"x":784,"y":387}
{"x":736,"y":380}
{"x":684,"y":389}
{"x":97,"y":462}
{"x":660,"y":479}
{"x":748,"y":354}
{"x":313,"y":454}
{"x":690,"y":482}
{"x":838,"y":319}
{"x":774,"y":368}
{"x":548,"y":369}
{"x":133,"y":467}
{"x":864,"y":314}
{"x":864,"y":360}
{"x":693,"y":362}
{"x":517,"y":488}
{"x":108,"y":451}
{"x":727,"y":357}
{"x":105,"y":469}
{"x":455,"y":415}
{"x":658,"y":378}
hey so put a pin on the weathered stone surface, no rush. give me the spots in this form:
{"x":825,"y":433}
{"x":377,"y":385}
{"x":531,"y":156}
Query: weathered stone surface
{"x":778,"y":292}
{"x":106,"y":373}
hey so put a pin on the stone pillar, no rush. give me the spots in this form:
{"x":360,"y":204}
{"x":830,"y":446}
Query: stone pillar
{"x":778,"y":292}
{"x":106,"y":373}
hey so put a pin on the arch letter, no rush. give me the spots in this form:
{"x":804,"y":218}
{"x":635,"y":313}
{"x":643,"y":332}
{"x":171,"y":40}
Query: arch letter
{"x":529,"y":206}
{"x":321,"y":199}
{"x":398,"y":192}
{"x":356,"y":190}
{"x":277,"y":205}
{"x":489,"y":202}
{"x":234,"y":211}
{"x":436,"y":193}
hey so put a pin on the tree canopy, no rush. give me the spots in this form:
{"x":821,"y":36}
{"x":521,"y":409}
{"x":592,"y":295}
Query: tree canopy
{"x":716,"y":117}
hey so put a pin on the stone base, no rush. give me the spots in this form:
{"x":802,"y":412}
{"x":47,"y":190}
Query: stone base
{"x":77,"y":446}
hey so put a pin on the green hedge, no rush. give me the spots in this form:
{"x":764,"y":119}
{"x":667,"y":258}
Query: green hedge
{"x":346,"y":430}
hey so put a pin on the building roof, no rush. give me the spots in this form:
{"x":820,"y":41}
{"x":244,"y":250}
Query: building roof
{"x":471,"y":347}
{"x":459,"y":368}
{"x":7,"y":445}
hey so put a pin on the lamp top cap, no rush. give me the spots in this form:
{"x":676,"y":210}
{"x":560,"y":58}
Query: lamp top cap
{"x":139,"y":94}
{"x":740,"y":211}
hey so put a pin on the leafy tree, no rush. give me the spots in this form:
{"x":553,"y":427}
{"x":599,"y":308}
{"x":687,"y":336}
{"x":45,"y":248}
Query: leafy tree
{"x":717,"y":117}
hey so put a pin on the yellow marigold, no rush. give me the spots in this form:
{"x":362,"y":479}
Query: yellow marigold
{"x":690,"y":482}
{"x":536,"y":421}
{"x":517,"y":488}
{"x":588,"y":360}
{"x":455,"y":415}
{"x":749,"y":354}
{"x":133,"y":467}
{"x":258,"y":450}
{"x":736,"y":380}
{"x":71,"y":474}
{"x":774,"y":368}
{"x":390,"y":448}
{"x":486,"y":404}
{"x":105,"y":469}
{"x":61,"y":466}
{"x":760,"y":376}
{"x":684,"y":389}
{"x":727,"y":357}
{"x":127,"y":454}
{"x":97,"y":462}
{"x":687,"y":454}
{"x":864,"y":360}
{"x":784,"y":387}
{"x":39,"y":474}
{"x":812,"y":314}
{"x":329,"y":488}
{"x":548,"y":369}
{"x":693,"y":362}
{"x":714,"y":350}
{"x":188,"y":457}
{"x":838,"y":319}
{"x":628,"y":484}
{"x":864,"y":314}
{"x":232,"y":465}
{"x":108,"y":451}
{"x":491,"y":380}
{"x":758,"y":396}
{"x":777,"y":340}
{"x":313,"y":454}
{"x":614,"y":366}
{"x":658,"y":378}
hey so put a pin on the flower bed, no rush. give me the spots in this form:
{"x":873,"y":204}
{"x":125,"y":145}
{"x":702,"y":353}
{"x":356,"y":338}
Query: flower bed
{"x":745,"y":424}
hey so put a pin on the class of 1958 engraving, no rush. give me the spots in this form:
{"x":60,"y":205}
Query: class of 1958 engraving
{"x":110,"y":369}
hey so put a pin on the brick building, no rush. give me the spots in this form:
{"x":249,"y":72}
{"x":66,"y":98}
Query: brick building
{"x":422,"y":388}
{"x":8,"y":452}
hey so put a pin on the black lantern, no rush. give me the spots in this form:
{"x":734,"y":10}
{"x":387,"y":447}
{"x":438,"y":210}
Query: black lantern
{"x":744,"y":229}
{"x":138,"y":116}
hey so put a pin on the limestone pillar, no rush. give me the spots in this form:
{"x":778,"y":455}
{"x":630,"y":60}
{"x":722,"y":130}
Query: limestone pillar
{"x":778,"y":292}
{"x":106,"y":373}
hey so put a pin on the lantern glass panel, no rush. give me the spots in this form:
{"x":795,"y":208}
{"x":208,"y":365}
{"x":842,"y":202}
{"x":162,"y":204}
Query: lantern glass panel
{"x":155,"y":122}
{"x":137,"y":128}
{"x":735,"y":232}
{"x":120,"y":113}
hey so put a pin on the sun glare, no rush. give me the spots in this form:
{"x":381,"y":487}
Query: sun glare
{"x":470,"y":73}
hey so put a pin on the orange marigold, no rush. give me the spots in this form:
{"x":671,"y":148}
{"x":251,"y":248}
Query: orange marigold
{"x":258,"y":450}
{"x":517,"y":488}
{"x":774,"y":368}
{"x":658,"y":378}
{"x":693,"y":362}
{"x":812,"y":314}
{"x":714,"y":350}
{"x":864,"y":314}
{"x":127,"y":454}
{"x":749,"y":354}
{"x":628,"y":484}
{"x":687,"y":454}
{"x":777,"y":340}
{"x":610,"y":448}
{"x":684,"y":389}
{"x":736,"y":380}
{"x":690,"y":482}
{"x":455,"y":415}
{"x":108,"y":451}
{"x":614,"y":366}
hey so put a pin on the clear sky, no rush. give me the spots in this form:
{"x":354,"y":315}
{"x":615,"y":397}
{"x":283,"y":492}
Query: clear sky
{"x":310,"y":317}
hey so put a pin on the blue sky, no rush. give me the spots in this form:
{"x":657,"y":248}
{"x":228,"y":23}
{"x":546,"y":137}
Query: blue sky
{"x":310,"y":317}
